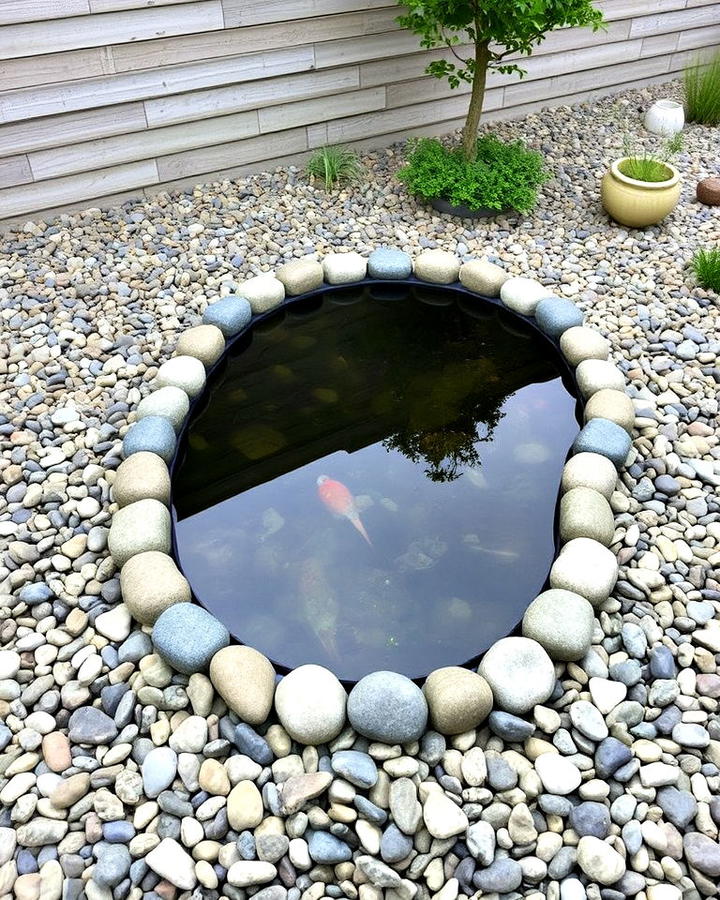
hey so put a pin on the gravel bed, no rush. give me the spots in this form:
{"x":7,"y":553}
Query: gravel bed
{"x":120,"y":777}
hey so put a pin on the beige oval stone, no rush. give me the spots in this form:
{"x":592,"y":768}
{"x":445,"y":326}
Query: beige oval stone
{"x":300,"y":276}
{"x":140,"y":526}
{"x":245,"y":679}
{"x":594,"y":375}
{"x":263,"y":292}
{"x":458,"y":699}
{"x":244,"y":806}
{"x":613,"y":405}
{"x":213,"y":778}
{"x":586,"y":513}
{"x":591,"y":470}
{"x":150,"y":583}
{"x":437,"y":266}
{"x":56,"y":751}
{"x":483,"y":277}
{"x":580,"y":342}
{"x":204,"y":342}
{"x":141,"y":476}
{"x":70,"y":790}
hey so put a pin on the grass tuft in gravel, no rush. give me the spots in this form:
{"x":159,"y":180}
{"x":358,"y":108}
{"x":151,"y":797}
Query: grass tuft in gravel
{"x":706,"y":266}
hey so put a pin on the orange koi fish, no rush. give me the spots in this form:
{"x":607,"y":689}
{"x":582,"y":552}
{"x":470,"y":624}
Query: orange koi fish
{"x":338,"y":499}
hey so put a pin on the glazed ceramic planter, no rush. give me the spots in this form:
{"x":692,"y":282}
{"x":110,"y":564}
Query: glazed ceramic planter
{"x":665,"y":117}
{"x":639,"y":203}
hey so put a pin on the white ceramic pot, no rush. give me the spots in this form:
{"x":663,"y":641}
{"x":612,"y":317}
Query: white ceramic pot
{"x":665,"y":117}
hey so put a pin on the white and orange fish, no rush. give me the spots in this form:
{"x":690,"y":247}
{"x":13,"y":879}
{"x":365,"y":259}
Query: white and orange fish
{"x":338,"y":499}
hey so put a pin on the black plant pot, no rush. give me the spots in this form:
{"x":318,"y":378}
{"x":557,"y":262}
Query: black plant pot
{"x":464,"y":212}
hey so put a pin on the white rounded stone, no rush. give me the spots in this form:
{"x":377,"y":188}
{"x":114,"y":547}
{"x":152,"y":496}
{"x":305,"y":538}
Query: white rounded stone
{"x":586,"y":567}
{"x":558,"y":774}
{"x":437,"y":266}
{"x":561,"y":621}
{"x":170,"y":402}
{"x":519,"y":672}
{"x":344,"y":268}
{"x":263,"y":292}
{"x":184,"y":372}
{"x":594,"y":375}
{"x":522,"y":295}
{"x":599,"y":861}
{"x":310,"y":703}
{"x":591,"y":470}
{"x":580,"y":342}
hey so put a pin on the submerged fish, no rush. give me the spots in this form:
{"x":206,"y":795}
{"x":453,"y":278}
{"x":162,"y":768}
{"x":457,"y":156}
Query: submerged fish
{"x":319,"y":606}
{"x":472,"y":542}
{"x":338,"y":499}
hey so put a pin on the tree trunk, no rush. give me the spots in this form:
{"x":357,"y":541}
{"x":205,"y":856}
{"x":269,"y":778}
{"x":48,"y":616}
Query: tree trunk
{"x":472,"y":122}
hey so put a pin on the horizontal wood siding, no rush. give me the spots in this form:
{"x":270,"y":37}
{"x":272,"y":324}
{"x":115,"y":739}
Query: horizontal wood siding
{"x":108,"y":98}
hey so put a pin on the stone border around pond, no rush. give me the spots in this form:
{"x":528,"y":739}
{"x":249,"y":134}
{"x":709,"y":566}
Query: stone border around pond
{"x":516,"y":672}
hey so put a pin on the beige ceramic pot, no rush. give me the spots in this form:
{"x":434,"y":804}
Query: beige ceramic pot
{"x":639,"y":203}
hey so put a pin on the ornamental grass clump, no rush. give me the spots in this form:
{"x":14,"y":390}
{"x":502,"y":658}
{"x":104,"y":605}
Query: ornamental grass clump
{"x":702,"y":90}
{"x":706,"y":266}
{"x":650,"y":167}
{"x":333,"y":165}
{"x":499,"y":176}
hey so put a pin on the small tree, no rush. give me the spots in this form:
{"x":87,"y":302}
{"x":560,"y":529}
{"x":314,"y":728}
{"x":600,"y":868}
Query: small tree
{"x":496,"y":29}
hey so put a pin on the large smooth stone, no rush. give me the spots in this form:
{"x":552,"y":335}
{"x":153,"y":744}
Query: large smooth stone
{"x":230,"y":314}
{"x":599,"y":861}
{"x":184,"y":372}
{"x":187,"y":637}
{"x":142,"y":476}
{"x":244,"y":806}
{"x":437,"y":266}
{"x":458,"y":699}
{"x":386,"y":262}
{"x":300,"y":276}
{"x":606,"y":438}
{"x":169,"y":402}
{"x":519,"y":672}
{"x":594,"y":375}
{"x":613,"y":405}
{"x":310,"y":703}
{"x":561,"y":622}
{"x":522,"y":295}
{"x":586,"y":567}
{"x":172,"y":862}
{"x":483,"y":277}
{"x":263,"y":292}
{"x":708,"y":191}
{"x":151,"y":583}
{"x":586,"y":513}
{"x":204,"y":342}
{"x":555,"y":315}
{"x":387,"y":707}
{"x":344,"y":268}
{"x":558,"y":775}
{"x":245,"y":679}
{"x":140,"y":526}
{"x":153,"y":434}
{"x":590,"y":470}
{"x":581,"y":343}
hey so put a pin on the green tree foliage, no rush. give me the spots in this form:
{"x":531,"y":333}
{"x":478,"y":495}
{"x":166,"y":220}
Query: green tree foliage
{"x":496,"y":31}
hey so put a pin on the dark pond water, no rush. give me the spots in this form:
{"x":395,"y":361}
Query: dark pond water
{"x":442,"y":431}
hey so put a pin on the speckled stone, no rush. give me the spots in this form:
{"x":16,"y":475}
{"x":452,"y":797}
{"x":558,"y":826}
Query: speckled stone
{"x":184,"y":372}
{"x":142,"y":476}
{"x":519,"y":672}
{"x":606,"y":438}
{"x":300,"y":276}
{"x":263,"y":292}
{"x":187,"y":637}
{"x":457,"y":698}
{"x":522,"y":295}
{"x":140,"y":526}
{"x":230,"y":314}
{"x":586,"y":567}
{"x":615,"y":406}
{"x":708,"y":191}
{"x":344,"y":268}
{"x":169,"y":402}
{"x":560,"y":621}
{"x":555,"y":315}
{"x":594,"y":375}
{"x":437,"y":266}
{"x":591,"y":470}
{"x":150,"y":584}
{"x":586,"y":513}
{"x":388,"y":707}
{"x":153,"y":434}
{"x":580,"y":342}
{"x":204,"y":342}
{"x":483,"y":277}
{"x":386,"y":262}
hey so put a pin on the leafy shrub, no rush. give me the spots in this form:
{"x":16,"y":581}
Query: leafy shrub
{"x":502,"y":176}
{"x":650,"y":167}
{"x":706,"y":266}
{"x":334,"y":164}
{"x":702,"y":90}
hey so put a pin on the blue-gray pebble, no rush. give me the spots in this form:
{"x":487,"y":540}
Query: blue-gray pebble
{"x":356,"y":767}
{"x":606,"y":438}
{"x":386,"y":262}
{"x":387,"y":707}
{"x":188,"y":636}
{"x":154,"y":434}
{"x":556,"y":314}
{"x":230,"y":314}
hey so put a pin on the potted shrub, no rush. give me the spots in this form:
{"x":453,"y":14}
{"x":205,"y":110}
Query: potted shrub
{"x":481,"y":36}
{"x":640,"y":190}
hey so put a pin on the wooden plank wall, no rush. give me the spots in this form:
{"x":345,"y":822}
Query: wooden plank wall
{"x":103,"y":98}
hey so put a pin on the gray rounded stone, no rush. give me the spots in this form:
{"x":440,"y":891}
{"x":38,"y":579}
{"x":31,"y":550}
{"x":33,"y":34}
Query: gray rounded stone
{"x":187,"y":637}
{"x":586,"y":513}
{"x":555,"y":315}
{"x":140,"y":526}
{"x":519,"y":672}
{"x":386,"y":262}
{"x":153,"y":434}
{"x":230,"y":314}
{"x":606,"y":438}
{"x":170,"y":402}
{"x":158,"y":770}
{"x":585,"y":567}
{"x":90,"y":725}
{"x":112,"y":865}
{"x":561,"y":622}
{"x":388,"y":707}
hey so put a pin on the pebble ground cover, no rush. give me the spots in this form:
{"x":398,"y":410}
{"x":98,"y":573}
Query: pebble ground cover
{"x":122,"y":777}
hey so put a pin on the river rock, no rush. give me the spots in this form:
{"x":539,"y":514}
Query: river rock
{"x":437,"y":266}
{"x":172,"y":632}
{"x":244,"y":806}
{"x":143,"y":525}
{"x":703,"y":853}
{"x":169,"y":402}
{"x":310,"y":703}
{"x":344,"y":268}
{"x":457,"y":698}
{"x":204,"y":342}
{"x":558,"y":775}
{"x":387,"y":262}
{"x":615,"y":406}
{"x":594,"y":375}
{"x":555,"y":315}
{"x":158,"y":770}
{"x":142,"y":476}
{"x":599,"y":861}
{"x":581,"y":343}
{"x":90,"y":725}
{"x":590,"y":470}
{"x":230,"y":314}
{"x":519,"y":672}
{"x":522,"y":295}
{"x":170,"y":861}
{"x":263,"y":292}
{"x":601,"y":436}
{"x":300,"y":276}
{"x":561,"y":622}
{"x":442,"y":817}
{"x":184,"y":372}
{"x":245,"y":679}
{"x":150,"y":584}
{"x":586,"y":567}
{"x":388,"y":707}
{"x":483,"y":277}
{"x":586,"y":513}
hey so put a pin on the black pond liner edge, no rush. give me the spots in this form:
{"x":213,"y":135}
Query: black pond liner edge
{"x":567,"y":374}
